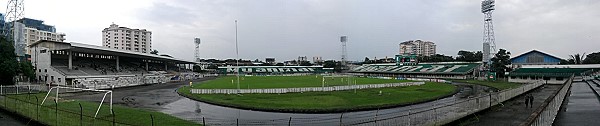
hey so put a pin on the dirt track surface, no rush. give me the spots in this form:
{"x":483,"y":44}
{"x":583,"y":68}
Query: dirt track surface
{"x":152,"y":96}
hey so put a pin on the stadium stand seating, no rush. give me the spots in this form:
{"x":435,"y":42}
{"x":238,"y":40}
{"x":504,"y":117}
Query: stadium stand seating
{"x":450,"y":68}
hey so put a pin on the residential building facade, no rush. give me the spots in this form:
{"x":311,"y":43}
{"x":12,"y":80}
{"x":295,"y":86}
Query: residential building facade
{"x":417,"y":47}
{"x":28,"y":31}
{"x":123,"y":38}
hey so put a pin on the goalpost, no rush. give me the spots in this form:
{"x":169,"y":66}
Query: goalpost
{"x":344,"y":79}
{"x":106,"y":92}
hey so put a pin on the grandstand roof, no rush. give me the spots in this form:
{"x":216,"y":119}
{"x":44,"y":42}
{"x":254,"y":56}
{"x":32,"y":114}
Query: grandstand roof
{"x":549,"y":72}
{"x":422,"y":68}
{"x":532,"y":51}
{"x":93,"y":49}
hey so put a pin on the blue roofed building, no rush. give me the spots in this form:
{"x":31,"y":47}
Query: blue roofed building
{"x":535,"y":57}
{"x":37,"y":24}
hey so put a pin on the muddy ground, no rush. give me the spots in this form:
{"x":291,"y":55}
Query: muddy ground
{"x":152,"y":96}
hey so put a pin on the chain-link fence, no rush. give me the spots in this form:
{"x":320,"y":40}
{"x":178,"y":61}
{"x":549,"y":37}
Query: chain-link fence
{"x":72,"y":113}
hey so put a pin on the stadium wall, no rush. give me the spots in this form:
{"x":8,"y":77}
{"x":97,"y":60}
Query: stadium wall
{"x":105,"y":82}
{"x":551,"y":80}
{"x":44,"y":71}
{"x":270,"y":70}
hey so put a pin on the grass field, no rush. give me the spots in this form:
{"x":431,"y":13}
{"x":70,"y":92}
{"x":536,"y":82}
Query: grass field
{"x":68,"y":112}
{"x":500,"y":85}
{"x":259,"y":82}
{"x":336,"y":101}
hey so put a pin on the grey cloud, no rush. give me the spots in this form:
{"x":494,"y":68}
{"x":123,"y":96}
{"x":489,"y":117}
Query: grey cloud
{"x":291,"y":28}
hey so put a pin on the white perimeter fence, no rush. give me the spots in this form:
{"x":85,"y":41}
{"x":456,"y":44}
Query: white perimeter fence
{"x":20,"y":89}
{"x":305,"y":89}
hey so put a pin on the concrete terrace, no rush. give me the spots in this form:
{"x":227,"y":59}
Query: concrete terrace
{"x":582,"y":106}
{"x":513,"y":112}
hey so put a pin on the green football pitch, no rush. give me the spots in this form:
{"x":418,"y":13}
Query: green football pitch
{"x":262,"y":82}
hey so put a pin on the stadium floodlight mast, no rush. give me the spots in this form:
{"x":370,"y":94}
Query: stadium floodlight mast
{"x":344,"y":39}
{"x":197,"y":43}
{"x":237,"y":56}
{"x":489,"y":44}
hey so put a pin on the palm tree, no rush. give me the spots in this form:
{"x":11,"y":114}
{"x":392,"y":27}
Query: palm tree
{"x":577,"y":58}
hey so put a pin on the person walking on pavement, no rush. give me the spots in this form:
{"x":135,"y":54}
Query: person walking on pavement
{"x":526,"y":101}
{"x":531,"y":100}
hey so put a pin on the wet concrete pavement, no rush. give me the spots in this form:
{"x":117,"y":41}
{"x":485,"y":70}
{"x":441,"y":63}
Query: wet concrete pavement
{"x":8,"y":120}
{"x":513,"y":112}
{"x":153,"y":96}
{"x":581,"y":108}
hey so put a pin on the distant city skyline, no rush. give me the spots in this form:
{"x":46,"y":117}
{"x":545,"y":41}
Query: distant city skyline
{"x":288,"y":29}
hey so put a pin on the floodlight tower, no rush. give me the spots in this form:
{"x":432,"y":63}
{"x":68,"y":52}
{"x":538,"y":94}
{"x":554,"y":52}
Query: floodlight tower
{"x":489,"y":44}
{"x":344,"y":39}
{"x":14,"y":12}
{"x":197,"y":51}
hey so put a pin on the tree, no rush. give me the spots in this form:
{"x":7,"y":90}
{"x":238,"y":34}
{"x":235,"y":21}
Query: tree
{"x":577,"y":58}
{"x":435,"y":58}
{"x":155,"y":52}
{"x":212,"y":66}
{"x":468,"y":56}
{"x":197,"y":69}
{"x":593,"y":58}
{"x":564,"y":62}
{"x":500,"y":62}
{"x":337,"y":66}
{"x":367,"y":60}
{"x":305,"y":63}
{"x":8,"y":62}
{"x":27,"y":69}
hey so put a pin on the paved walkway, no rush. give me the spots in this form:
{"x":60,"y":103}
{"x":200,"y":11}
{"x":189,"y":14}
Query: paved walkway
{"x":582,"y":107}
{"x":514,"y":111}
{"x":8,"y":120}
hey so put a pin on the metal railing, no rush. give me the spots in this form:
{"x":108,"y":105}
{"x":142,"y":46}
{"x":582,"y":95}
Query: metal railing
{"x":305,"y":89}
{"x":545,"y":115}
{"x":20,"y":89}
{"x":436,"y":113}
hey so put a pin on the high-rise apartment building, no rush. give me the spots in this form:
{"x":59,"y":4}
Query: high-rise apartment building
{"x":28,"y":31}
{"x":417,"y":47}
{"x":123,"y":38}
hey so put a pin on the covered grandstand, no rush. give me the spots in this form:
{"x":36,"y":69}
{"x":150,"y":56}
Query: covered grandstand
{"x":552,"y":74}
{"x":445,"y":70}
{"x":96,"y":67}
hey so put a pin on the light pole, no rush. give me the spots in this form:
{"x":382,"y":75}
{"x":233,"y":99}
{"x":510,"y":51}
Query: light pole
{"x":237,"y":57}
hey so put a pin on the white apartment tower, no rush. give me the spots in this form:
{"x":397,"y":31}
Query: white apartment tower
{"x":417,"y":47}
{"x":123,"y":38}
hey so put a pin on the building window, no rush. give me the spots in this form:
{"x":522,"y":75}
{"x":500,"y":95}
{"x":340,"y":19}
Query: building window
{"x":46,"y":70}
{"x":513,"y":77}
{"x":560,"y":78}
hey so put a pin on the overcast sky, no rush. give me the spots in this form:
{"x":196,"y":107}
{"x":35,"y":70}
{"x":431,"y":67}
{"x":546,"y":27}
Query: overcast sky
{"x":286,"y":29}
